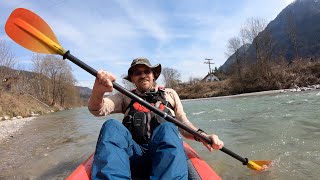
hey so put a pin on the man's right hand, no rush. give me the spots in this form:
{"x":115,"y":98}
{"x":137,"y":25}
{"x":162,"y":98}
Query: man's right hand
{"x":103,"y":82}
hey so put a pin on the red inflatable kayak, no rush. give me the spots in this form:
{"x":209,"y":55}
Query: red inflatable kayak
{"x":198,"y":168}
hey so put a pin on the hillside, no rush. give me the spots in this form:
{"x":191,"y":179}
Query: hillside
{"x":25,"y":93}
{"x":293,"y":34}
{"x":296,"y":30}
{"x":226,"y":67}
{"x":85,"y":94}
{"x":25,"y":105}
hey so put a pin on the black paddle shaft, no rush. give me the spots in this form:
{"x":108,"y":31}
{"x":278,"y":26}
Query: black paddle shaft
{"x":136,"y":98}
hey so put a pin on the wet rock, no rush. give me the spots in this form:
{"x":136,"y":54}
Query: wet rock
{"x":34,"y":114}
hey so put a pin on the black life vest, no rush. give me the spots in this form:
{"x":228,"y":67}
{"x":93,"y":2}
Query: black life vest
{"x":140,"y":121}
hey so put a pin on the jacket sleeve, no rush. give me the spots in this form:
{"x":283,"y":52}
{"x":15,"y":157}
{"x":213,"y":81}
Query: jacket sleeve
{"x":180,"y":114}
{"x":175,"y":101}
{"x":111,"y":104}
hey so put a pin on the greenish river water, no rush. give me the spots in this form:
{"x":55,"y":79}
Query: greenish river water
{"x":283,"y":127}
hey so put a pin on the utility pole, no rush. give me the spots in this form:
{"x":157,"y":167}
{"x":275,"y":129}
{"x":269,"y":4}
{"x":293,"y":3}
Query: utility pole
{"x":208,"y":61}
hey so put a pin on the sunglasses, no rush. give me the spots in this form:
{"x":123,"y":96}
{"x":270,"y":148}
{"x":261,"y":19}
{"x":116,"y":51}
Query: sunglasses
{"x":139,"y":73}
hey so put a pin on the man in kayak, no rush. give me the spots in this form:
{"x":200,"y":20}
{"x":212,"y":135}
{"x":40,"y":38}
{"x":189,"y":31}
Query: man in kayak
{"x":145,"y":144}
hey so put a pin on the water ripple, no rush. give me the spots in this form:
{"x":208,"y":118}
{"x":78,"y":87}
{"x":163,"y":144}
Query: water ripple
{"x":197,"y":113}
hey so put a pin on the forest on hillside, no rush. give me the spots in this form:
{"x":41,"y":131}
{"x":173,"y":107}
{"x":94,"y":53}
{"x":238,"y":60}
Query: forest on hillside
{"x":49,"y":83}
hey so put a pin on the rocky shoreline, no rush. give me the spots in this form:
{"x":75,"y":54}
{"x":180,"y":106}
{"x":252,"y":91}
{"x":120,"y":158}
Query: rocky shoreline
{"x":9,"y":128}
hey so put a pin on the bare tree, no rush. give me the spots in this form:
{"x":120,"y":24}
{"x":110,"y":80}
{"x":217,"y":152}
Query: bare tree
{"x":194,"y":80}
{"x":234,"y":45}
{"x":40,"y":85}
{"x":6,"y":57}
{"x":54,"y":77}
{"x":66,"y":91}
{"x":54,"y":67}
{"x":171,"y":77}
{"x":249,"y":32}
{"x":255,"y":32}
{"x":252,"y":28}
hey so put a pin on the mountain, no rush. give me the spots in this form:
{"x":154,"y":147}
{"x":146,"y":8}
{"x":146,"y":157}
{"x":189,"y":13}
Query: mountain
{"x":297,"y":27}
{"x":85,"y":92}
{"x":294,"y":33}
{"x":232,"y":59}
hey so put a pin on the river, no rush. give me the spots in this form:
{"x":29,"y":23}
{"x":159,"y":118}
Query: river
{"x":283,"y":127}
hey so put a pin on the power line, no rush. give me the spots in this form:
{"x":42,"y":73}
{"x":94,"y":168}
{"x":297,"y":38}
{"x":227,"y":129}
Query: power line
{"x":208,"y":61}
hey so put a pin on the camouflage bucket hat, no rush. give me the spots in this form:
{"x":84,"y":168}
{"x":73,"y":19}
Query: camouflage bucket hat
{"x":156,"y":69}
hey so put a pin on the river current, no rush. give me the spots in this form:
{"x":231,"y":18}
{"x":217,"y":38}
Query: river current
{"x":283,"y":127}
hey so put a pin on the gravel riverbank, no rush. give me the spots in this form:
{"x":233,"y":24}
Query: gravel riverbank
{"x":8,"y":128}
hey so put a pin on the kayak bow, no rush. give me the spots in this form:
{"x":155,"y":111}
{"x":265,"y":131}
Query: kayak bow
{"x":197,"y":168}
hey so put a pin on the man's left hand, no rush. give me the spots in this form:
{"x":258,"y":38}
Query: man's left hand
{"x":216,"y":143}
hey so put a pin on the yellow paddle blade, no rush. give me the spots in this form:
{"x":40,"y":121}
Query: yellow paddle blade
{"x":258,"y":165}
{"x":32,"y":32}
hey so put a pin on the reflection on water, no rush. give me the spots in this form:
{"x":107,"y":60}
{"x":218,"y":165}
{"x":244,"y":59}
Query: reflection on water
{"x":284,"y":128}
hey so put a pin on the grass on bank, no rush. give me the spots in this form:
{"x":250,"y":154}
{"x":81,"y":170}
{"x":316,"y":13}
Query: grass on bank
{"x":255,"y":79}
{"x":21,"y":105}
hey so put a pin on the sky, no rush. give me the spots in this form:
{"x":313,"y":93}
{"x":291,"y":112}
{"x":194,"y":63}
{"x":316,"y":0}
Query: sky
{"x":108,"y":35}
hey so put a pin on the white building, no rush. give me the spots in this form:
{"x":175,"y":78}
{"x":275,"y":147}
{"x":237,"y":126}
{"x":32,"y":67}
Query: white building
{"x":210,"y":77}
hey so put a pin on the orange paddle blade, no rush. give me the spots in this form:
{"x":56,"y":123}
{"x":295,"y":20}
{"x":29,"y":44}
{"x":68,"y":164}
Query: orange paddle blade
{"x":32,"y":32}
{"x":258,"y":165}
{"x":262,"y":163}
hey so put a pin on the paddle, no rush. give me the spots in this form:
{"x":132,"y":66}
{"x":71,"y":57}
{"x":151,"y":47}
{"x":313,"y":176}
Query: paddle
{"x":32,"y":32}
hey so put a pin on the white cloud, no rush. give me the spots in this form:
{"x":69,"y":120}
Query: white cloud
{"x":148,"y":19}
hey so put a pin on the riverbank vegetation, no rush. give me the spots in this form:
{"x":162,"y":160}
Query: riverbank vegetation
{"x":49,"y":86}
{"x":255,"y":64}
{"x":301,"y":73}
